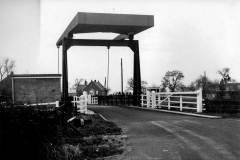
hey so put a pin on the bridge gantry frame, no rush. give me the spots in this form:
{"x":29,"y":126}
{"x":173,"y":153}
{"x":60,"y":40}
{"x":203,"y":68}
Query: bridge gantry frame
{"x":126,"y":25}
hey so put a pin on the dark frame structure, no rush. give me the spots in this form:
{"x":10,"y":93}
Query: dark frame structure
{"x":124,"y":24}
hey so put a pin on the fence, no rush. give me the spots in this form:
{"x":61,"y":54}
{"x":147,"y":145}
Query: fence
{"x":80,"y":103}
{"x":116,"y":100}
{"x":183,"y":101}
{"x":84,"y":100}
{"x":92,"y":99}
{"x":222,"y":101}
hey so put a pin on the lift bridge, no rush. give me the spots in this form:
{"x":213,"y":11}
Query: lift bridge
{"x":126,"y":25}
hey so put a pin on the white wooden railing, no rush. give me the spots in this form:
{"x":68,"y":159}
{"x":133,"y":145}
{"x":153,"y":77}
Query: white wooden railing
{"x":179,"y":100}
{"x":93,"y":100}
{"x":56,"y":103}
{"x":81,"y":103}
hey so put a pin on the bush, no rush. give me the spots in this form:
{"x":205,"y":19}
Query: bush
{"x":222,"y":106}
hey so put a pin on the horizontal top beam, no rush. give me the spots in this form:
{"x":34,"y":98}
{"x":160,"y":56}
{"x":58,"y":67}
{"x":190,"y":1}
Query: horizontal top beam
{"x":97,"y":42}
{"x":128,"y":24}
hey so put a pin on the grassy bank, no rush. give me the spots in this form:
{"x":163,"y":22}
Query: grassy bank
{"x":28,"y":133}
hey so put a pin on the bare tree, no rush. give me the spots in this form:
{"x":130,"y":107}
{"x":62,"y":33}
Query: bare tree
{"x":225,"y":78}
{"x":224,"y":73}
{"x":6,"y":67}
{"x":130,"y":84}
{"x":77,"y":83}
{"x":172,"y":80}
{"x":202,"y":82}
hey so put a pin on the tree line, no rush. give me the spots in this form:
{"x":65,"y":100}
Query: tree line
{"x":173,"y":81}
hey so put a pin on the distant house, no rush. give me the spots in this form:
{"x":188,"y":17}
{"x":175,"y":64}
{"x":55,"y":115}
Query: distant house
{"x":151,"y":88}
{"x":32,"y":88}
{"x":93,"y":88}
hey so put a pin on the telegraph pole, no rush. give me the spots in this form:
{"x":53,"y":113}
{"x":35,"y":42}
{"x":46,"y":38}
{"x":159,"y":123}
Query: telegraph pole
{"x":108,"y":68}
{"x":58,"y":59}
{"x":121,"y":77}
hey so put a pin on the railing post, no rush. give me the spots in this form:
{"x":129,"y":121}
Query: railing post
{"x":199,"y":100}
{"x":142,"y":95}
{"x":159,"y":100}
{"x":148,"y":99}
{"x":181,"y":103}
{"x":169,"y":107}
{"x":57,"y":103}
{"x":74,"y":101}
{"x":153,"y":99}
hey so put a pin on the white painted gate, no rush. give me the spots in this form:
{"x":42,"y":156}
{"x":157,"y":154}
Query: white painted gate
{"x":82,"y":101}
{"x":178,"y":100}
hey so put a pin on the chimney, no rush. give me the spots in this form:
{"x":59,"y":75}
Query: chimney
{"x":85,"y":83}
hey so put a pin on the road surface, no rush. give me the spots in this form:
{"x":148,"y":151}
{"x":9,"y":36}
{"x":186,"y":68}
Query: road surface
{"x":165,"y":136}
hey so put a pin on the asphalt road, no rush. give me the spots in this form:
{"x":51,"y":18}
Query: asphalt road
{"x":155,"y":136}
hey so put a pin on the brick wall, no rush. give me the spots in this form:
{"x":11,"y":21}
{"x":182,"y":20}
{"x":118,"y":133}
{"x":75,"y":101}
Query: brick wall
{"x":36,"y":90}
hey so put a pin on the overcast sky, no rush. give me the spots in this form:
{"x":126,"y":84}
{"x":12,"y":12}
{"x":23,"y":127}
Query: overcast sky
{"x":189,"y":35}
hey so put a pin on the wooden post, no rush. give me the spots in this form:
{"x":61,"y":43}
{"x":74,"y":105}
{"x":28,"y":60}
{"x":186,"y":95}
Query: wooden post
{"x":169,"y":107}
{"x":181,"y":104}
{"x":153,"y":99}
{"x":199,"y":100}
{"x":148,"y":98}
{"x":57,"y":103}
{"x":159,"y":100}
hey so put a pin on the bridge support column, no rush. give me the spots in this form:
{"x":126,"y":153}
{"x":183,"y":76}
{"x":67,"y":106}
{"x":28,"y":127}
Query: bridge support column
{"x":64,"y":72}
{"x":136,"y":74}
{"x":68,"y":108}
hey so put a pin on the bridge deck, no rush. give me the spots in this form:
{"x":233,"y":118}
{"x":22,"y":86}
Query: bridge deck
{"x":104,"y":22}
